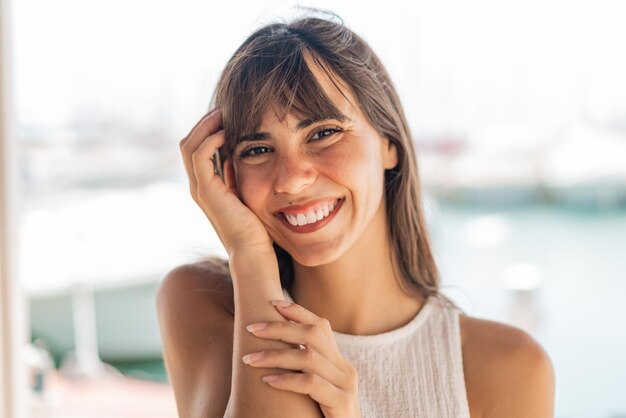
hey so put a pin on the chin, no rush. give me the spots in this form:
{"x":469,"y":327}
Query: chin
{"x":314,"y":257}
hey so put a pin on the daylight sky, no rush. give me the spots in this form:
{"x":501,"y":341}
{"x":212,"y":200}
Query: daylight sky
{"x":458,"y":65}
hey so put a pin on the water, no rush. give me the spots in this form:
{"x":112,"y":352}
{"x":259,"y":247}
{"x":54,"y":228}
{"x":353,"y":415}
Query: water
{"x":575,"y":260}
{"x":580,"y":256}
{"x":580,"y":259}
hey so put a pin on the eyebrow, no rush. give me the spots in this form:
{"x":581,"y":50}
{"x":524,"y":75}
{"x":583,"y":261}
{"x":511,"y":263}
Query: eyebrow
{"x":305,"y":123}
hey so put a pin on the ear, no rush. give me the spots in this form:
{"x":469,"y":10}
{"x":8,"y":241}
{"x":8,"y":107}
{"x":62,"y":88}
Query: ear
{"x":390,"y":154}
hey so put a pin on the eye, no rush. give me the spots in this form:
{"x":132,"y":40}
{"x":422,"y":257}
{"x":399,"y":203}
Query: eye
{"x":256,"y":152}
{"x":253,"y":152}
{"x":324,"y":132}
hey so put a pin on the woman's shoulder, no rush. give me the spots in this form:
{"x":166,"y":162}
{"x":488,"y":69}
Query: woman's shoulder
{"x":507,"y":372}
{"x":194,"y":306}
{"x":207,"y":280}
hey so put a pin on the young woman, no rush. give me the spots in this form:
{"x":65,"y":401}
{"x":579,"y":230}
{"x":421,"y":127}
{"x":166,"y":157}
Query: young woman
{"x":329,"y":303}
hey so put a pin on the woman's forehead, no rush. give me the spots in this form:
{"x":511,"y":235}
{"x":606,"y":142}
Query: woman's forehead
{"x":312,"y":93}
{"x":334,"y":88}
{"x":297,"y":120}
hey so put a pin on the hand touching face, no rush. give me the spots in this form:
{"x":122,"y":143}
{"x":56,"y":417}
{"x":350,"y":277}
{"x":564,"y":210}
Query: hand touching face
{"x":295,"y":166}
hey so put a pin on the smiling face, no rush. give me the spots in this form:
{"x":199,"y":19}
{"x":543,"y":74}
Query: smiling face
{"x":316,"y":184}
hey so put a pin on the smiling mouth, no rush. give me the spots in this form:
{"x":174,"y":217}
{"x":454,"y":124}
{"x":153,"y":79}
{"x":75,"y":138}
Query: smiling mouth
{"x":308,"y":221}
{"x":312,"y":216}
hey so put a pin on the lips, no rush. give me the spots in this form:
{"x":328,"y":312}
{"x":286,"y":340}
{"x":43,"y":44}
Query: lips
{"x":310,"y":227}
{"x":315,"y":214}
{"x":308,"y":206}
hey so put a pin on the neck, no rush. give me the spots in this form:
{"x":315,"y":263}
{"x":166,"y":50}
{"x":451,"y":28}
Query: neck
{"x":359,"y":293}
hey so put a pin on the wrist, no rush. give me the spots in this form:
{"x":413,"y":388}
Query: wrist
{"x":251,"y":251}
{"x":248,"y":242}
{"x":253,"y":265}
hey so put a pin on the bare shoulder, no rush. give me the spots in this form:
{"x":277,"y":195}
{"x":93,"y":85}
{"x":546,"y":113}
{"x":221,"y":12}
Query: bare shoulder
{"x":507,"y":372}
{"x":195,"y":310}
{"x":199,"y":281}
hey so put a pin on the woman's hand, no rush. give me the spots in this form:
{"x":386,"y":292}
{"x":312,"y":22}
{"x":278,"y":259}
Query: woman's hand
{"x":236,"y":225}
{"x":322,"y":372}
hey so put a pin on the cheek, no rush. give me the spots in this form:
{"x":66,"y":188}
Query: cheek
{"x":250,"y":187}
{"x":356,"y":162}
{"x":347,"y":159}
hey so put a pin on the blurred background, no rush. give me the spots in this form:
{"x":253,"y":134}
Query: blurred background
{"x":518,"y":112}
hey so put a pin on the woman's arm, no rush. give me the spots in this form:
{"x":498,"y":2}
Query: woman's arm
{"x":196,"y":325}
{"x":255,"y":283}
{"x":255,"y":278}
{"x":523,"y":382}
{"x":194,"y":306}
{"x":507,"y":373}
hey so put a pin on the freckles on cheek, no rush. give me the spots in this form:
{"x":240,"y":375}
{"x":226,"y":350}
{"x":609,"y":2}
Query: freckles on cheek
{"x":250,"y":186}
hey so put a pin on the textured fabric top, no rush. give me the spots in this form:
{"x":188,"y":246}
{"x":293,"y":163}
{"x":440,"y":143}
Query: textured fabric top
{"x":413,"y":371}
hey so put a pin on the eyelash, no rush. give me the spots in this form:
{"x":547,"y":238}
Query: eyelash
{"x":332,"y":129}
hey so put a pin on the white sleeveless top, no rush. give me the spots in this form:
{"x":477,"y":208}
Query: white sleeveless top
{"x":413,"y":371}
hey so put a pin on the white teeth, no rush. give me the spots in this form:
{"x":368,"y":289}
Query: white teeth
{"x":311,"y":216}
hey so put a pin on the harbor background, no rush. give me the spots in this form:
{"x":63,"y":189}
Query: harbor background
{"x":518,"y":113}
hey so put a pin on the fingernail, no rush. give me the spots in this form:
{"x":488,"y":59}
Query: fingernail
{"x":256,"y":327}
{"x":281,"y":303}
{"x":249,"y":358}
{"x":270,"y":378}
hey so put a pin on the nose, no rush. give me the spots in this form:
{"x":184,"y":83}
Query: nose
{"x":293,"y":174}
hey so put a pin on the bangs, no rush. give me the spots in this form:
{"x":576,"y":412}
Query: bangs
{"x":273,"y":74}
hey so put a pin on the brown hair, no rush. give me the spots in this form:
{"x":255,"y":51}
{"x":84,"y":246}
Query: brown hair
{"x":269,"y":69}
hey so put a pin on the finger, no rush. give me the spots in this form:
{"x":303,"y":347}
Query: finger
{"x":294,"y":312}
{"x":311,"y":335}
{"x":207,"y":125}
{"x":298,"y":313}
{"x":307,"y":361}
{"x":319,"y":389}
{"x":203,"y":167}
{"x":209,"y":121}
{"x":187,"y":147}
